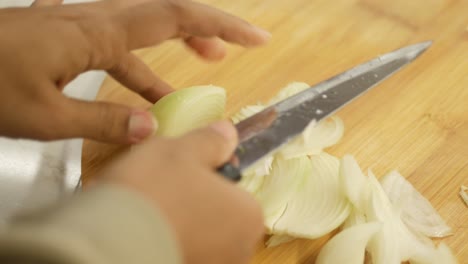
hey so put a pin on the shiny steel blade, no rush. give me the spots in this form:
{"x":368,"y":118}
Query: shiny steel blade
{"x":276,"y":125}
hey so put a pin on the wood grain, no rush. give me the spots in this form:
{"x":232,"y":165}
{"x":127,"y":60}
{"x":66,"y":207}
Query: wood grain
{"x":416,"y":122}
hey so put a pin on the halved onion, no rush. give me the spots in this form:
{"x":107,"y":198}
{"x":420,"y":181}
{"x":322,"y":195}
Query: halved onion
{"x":187,"y":109}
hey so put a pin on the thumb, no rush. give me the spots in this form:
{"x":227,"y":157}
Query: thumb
{"x":213,"y":145}
{"x":46,"y":2}
{"x":108,"y":122}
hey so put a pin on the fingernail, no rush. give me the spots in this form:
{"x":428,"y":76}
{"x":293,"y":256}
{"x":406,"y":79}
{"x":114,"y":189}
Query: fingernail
{"x":225,"y":129}
{"x":140,"y":126}
{"x":262,"y":32}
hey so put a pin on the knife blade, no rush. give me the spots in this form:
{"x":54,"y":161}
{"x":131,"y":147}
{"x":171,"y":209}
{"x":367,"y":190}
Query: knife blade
{"x":268,"y":130}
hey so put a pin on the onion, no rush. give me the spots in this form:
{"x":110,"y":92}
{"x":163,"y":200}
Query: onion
{"x":356,"y":217}
{"x":306,"y":193}
{"x":315,"y":138}
{"x":187,"y":109}
{"x":273,"y":196}
{"x":288,"y":91}
{"x":416,"y":211}
{"x":355,"y":184}
{"x":318,"y":206}
{"x":276,"y":240}
{"x":463,"y":194}
{"x":348,"y":246}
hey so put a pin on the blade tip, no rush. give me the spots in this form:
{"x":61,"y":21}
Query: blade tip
{"x":426,"y":44}
{"x":419,"y":48}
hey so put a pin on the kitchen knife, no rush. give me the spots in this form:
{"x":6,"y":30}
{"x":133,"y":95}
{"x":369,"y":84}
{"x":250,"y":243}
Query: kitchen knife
{"x":266,"y":131}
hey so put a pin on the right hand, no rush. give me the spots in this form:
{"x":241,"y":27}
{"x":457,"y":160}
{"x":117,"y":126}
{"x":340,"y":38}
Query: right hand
{"x":214,"y":220}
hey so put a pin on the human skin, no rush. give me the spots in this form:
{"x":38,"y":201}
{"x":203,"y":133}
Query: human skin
{"x":46,"y":46}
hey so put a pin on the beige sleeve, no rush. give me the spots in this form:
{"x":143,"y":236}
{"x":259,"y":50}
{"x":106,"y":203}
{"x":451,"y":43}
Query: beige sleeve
{"x":106,"y":225}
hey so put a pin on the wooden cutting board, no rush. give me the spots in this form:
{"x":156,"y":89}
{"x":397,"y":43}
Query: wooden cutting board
{"x":416,"y":122}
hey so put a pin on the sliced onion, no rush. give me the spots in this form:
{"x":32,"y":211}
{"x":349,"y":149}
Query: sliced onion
{"x":251,"y":182}
{"x":355,"y":183}
{"x":396,"y":243}
{"x":276,"y":240}
{"x":290,"y":90}
{"x":348,"y":246}
{"x":246,"y":112}
{"x":356,"y":217}
{"x":384,"y":246}
{"x":278,"y":187}
{"x":318,"y":206}
{"x":463,"y":194}
{"x":416,"y":211}
{"x":315,"y":138}
{"x":439,"y":255}
{"x":188,"y":109}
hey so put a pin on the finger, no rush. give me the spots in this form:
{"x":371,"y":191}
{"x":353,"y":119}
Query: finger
{"x":133,"y":73}
{"x":46,"y":2}
{"x":153,"y":22}
{"x":106,"y":122}
{"x":213,"y":145}
{"x":207,"y":48}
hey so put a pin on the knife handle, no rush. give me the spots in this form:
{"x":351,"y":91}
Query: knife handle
{"x":230,"y":172}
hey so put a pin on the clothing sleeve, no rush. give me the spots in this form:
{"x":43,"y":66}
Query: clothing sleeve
{"x":105,"y":225}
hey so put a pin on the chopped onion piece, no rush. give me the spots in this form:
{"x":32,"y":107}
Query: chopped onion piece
{"x":396,"y":243}
{"x":463,"y":194}
{"x":261,"y":167}
{"x":251,"y":182}
{"x":315,"y":138}
{"x":384,"y":246}
{"x":348,"y":246}
{"x":445,"y":255}
{"x":354,"y":183}
{"x":416,"y":211}
{"x":318,"y":206}
{"x":280,"y":186}
{"x":246,"y":112}
{"x":441,"y":254}
{"x":290,"y":90}
{"x":356,"y":217}
{"x":276,"y":240}
{"x":187,"y":109}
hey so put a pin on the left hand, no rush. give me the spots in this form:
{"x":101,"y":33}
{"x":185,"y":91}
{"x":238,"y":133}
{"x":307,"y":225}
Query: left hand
{"x":45,"y":47}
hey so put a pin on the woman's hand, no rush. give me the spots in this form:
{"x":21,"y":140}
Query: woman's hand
{"x":214,"y":220}
{"x":45,"y":47}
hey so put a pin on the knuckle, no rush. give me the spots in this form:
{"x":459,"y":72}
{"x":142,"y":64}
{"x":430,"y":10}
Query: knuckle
{"x":182,"y":12}
{"x":120,"y":69}
{"x":109,"y":123}
{"x":177,"y":7}
{"x":103,"y":39}
{"x":50,"y":122}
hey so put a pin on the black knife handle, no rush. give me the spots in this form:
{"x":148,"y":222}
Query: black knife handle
{"x":230,"y":172}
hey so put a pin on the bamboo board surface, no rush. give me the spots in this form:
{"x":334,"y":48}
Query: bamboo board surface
{"x":416,"y":121}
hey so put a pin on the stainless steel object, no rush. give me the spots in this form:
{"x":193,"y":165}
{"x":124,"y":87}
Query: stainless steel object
{"x":264,"y":132}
